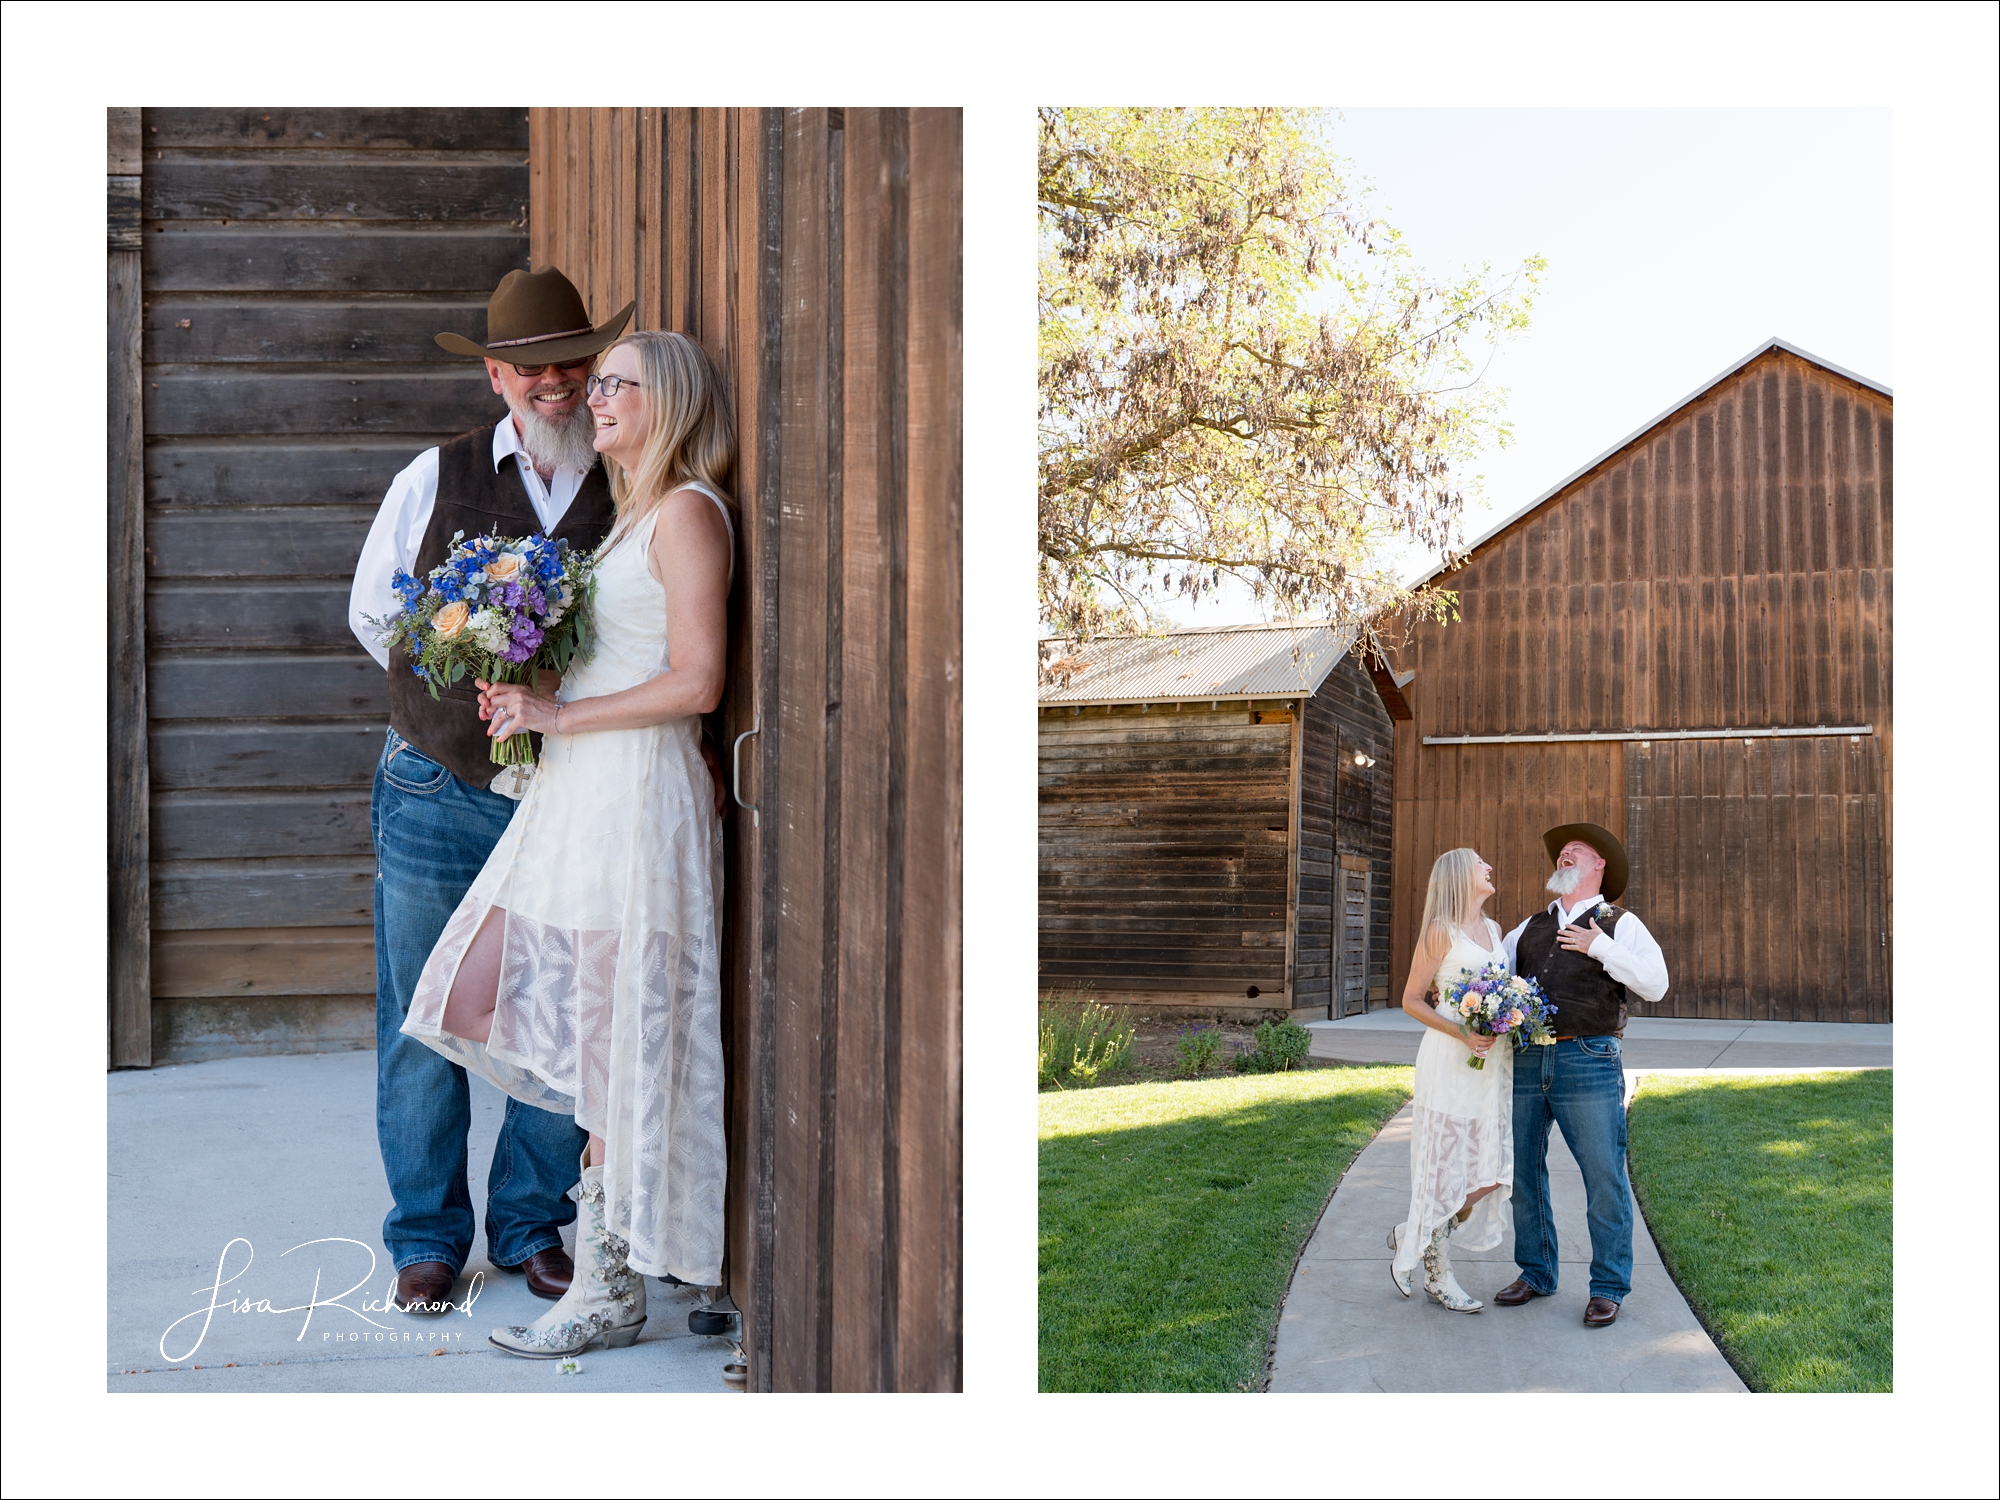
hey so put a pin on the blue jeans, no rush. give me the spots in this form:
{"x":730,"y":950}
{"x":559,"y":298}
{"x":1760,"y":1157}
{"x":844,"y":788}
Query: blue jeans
{"x":1579,"y":1085}
{"x":433,"y":833}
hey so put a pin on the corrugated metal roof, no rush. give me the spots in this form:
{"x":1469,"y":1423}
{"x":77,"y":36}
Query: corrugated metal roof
{"x":1638,"y":432}
{"x":1214,"y":662}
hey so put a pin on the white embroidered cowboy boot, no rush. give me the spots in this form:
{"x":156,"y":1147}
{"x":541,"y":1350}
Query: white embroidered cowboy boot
{"x":606,"y":1300}
{"x":1439,"y":1284}
{"x":1400,"y":1279}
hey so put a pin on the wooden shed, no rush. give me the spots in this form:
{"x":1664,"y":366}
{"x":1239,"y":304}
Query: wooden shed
{"x":1687,"y":641}
{"x":1215,"y":821}
{"x":275,"y":276}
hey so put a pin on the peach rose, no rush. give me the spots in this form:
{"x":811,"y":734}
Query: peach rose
{"x":450,"y":620}
{"x":504,"y":568}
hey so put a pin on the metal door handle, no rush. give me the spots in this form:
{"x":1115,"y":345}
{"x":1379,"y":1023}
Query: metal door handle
{"x":736,"y":770}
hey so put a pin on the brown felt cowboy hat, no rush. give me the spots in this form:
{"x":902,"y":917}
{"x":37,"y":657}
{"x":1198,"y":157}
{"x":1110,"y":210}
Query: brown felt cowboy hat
{"x":538,"y":318}
{"x":1617,"y":868}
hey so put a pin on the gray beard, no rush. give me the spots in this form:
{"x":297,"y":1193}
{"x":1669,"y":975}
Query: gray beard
{"x":561,"y":443}
{"x":1565,"y":882}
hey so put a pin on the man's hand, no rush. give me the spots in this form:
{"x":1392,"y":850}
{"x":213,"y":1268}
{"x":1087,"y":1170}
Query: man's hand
{"x":714,"y":764}
{"x":1578,"y":939}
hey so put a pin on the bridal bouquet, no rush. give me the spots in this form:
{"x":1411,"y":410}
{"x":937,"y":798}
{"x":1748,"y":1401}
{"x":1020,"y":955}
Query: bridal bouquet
{"x":1496,"y":1003}
{"x":496,"y":608}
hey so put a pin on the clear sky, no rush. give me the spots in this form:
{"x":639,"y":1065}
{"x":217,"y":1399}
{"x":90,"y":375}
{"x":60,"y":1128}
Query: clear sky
{"x":1677,"y":240}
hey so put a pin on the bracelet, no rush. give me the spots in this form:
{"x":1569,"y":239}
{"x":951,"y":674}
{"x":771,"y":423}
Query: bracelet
{"x":556,"y":727}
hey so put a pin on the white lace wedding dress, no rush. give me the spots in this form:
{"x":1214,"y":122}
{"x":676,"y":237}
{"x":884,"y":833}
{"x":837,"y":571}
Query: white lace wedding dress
{"x":609,"y":1002}
{"x":1461,"y":1126}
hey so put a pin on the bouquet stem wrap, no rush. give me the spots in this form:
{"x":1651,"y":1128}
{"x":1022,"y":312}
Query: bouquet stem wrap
{"x":514,"y":749}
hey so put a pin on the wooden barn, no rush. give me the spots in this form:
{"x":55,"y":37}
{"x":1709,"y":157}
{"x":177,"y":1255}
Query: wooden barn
{"x":1215,"y":821}
{"x":274,"y":278}
{"x":1688,"y":642}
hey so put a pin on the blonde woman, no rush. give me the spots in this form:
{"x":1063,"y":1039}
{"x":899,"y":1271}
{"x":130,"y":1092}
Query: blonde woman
{"x":581,"y":971}
{"x":1461,"y":1120}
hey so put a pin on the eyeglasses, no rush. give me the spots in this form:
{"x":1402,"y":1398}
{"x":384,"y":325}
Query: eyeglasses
{"x":608,"y":386}
{"x":574,"y":364}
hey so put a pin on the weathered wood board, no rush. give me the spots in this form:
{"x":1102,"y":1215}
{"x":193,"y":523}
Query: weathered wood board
{"x":129,"y":1022}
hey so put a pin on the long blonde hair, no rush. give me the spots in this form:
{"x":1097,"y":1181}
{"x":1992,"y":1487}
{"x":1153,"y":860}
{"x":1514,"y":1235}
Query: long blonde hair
{"x":690,"y":433}
{"x":1448,"y":901}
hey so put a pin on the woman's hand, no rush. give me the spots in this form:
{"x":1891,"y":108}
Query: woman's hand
{"x":1479,"y":1043}
{"x":514,"y":707}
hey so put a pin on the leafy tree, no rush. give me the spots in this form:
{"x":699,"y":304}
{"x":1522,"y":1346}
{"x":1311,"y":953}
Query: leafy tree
{"x":1242,"y":372}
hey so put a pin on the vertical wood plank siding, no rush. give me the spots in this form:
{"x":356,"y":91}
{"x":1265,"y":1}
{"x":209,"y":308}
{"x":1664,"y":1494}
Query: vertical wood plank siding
{"x":1731,"y":567}
{"x":815,"y":254}
{"x":295,"y":264}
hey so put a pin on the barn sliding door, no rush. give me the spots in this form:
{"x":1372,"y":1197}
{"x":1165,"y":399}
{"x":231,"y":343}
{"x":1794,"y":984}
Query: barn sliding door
{"x":1728,"y":825}
{"x":855,"y":1047}
{"x":814,"y":253}
{"x":293,"y":266}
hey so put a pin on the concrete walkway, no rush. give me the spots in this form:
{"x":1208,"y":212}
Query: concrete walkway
{"x":1666,"y":1044}
{"x":1346,"y":1328}
{"x":268,"y":1167}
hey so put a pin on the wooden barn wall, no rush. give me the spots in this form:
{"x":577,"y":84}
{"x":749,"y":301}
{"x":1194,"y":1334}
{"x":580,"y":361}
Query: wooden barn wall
{"x":1730,"y":568}
{"x":1346,"y":815}
{"x":294,"y":265}
{"x":1496,"y":799}
{"x":1163,"y":851}
{"x":815,"y":254}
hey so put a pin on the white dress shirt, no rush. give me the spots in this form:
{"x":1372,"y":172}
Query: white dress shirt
{"x":1633,"y":957}
{"x":398,"y":532}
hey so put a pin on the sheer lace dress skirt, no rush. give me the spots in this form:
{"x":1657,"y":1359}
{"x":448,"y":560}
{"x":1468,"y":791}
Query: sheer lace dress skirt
{"x":1461,"y":1140}
{"x":609,"y":1003}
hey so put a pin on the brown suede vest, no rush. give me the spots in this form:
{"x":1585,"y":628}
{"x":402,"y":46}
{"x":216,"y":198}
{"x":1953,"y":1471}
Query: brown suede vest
{"x":1588,"y":1001}
{"x":476,"y":498}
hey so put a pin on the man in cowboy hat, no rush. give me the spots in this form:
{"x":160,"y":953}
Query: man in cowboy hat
{"x":1590,"y":957}
{"x":436,"y":812}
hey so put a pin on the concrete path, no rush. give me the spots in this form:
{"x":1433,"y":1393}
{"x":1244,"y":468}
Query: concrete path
{"x":1345,"y":1327}
{"x":274,"y":1153}
{"x":1665,"y":1044}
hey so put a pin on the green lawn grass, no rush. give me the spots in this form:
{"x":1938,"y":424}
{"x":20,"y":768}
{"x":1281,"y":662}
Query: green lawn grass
{"x":1770,"y":1200}
{"x":1172,"y":1213}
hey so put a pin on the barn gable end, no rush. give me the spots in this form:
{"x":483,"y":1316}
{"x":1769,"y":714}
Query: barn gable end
{"x":1726,"y":569}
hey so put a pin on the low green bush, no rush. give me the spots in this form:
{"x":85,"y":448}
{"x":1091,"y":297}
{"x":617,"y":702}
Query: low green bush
{"x":1281,"y":1045}
{"x":1195,"y":1048}
{"x":1080,"y":1040}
